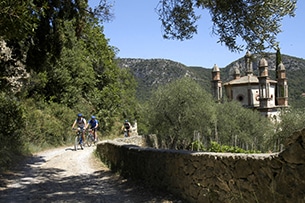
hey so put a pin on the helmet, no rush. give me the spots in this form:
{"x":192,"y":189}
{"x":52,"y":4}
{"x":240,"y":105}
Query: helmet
{"x":79,"y":115}
{"x":126,"y":120}
{"x":93,"y":117}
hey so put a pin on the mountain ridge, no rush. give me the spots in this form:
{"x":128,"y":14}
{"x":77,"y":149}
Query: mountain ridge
{"x":151,"y":73}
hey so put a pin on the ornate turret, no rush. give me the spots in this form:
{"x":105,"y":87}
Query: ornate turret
{"x":282,"y":87}
{"x":215,"y":72}
{"x":263,"y":83}
{"x":263,"y":68}
{"x":248,"y":63}
{"x":236,"y":74}
{"x":216,"y":83}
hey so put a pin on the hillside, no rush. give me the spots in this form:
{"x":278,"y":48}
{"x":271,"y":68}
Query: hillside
{"x":150,"y":73}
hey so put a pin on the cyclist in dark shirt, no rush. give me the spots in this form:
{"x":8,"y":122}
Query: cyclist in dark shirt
{"x":93,"y":125}
{"x":126,"y":127}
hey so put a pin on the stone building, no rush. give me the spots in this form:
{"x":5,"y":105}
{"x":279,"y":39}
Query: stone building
{"x":260,"y":92}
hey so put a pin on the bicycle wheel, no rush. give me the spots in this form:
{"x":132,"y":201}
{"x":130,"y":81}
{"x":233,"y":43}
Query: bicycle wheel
{"x":76,"y":143}
{"x":89,"y":140}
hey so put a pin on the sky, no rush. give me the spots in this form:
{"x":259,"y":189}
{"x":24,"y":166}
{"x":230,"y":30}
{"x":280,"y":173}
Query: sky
{"x":136,"y":32}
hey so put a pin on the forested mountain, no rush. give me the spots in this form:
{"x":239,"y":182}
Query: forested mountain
{"x":150,"y":73}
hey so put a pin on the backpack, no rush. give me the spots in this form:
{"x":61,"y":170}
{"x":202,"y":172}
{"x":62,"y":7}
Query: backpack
{"x":81,"y":122}
{"x":126,"y":125}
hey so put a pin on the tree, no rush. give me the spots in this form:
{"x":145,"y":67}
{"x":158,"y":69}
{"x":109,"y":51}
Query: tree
{"x":256,"y":22}
{"x":241,"y":127}
{"x":292,"y":120}
{"x":36,"y":27}
{"x":178,"y":109}
{"x":18,"y":19}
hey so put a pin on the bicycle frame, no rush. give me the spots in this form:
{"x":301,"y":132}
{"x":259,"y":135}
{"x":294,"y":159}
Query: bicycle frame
{"x":78,"y":139}
{"x":89,"y":137}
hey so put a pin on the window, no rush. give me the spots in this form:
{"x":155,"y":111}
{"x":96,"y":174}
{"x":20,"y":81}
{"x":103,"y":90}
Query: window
{"x":240,"y":97}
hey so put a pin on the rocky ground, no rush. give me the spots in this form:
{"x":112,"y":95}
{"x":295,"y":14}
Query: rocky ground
{"x":65,"y":175}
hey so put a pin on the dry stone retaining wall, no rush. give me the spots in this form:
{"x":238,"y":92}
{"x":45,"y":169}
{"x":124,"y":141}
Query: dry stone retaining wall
{"x":214,"y":177}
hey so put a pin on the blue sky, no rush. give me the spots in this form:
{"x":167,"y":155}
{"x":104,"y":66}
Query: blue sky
{"x":136,"y":32}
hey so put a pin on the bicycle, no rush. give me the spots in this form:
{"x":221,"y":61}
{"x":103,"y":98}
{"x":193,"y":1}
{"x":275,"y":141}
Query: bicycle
{"x":89,"y":138}
{"x":78,"y":139}
{"x":126,"y":132}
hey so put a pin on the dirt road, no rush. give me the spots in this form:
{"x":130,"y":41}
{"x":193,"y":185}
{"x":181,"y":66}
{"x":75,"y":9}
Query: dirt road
{"x":65,"y":175}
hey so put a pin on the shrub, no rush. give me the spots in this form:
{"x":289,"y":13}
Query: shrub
{"x":12,"y":125}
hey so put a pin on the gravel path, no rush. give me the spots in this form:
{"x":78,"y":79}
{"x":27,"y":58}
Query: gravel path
{"x":65,"y":175}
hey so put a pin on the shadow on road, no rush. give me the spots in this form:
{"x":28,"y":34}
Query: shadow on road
{"x":37,"y":184}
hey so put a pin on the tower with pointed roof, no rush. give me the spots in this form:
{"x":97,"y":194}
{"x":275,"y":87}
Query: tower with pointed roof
{"x":216,"y":83}
{"x":282,"y":86}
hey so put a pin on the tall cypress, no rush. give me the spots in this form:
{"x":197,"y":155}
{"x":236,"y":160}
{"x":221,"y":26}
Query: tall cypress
{"x":278,"y":60}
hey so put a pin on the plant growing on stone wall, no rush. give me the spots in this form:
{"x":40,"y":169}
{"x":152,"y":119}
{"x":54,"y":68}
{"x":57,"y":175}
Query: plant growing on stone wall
{"x":197,"y":146}
{"x":216,"y":147}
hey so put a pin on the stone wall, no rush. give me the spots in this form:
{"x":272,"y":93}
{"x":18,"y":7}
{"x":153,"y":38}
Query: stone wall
{"x":214,"y":177}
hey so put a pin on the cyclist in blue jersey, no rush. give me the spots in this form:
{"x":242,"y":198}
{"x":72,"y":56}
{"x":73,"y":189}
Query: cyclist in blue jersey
{"x":93,"y":125}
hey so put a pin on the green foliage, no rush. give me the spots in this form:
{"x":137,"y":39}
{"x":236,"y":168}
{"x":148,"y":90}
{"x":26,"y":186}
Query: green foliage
{"x":278,"y":59}
{"x":197,"y":146}
{"x":256,"y":22}
{"x":11,"y":134}
{"x":216,"y":147}
{"x":241,"y":127}
{"x":292,"y":120}
{"x":72,"y":69}
{"x":18,"y":19}
{"x":47,"y":124}
{"x":178,"y":109}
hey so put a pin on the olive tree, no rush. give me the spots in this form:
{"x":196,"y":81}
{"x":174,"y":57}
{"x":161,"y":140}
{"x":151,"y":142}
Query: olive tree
{"x":178,"y":109}
{"x":241,"y":127}
{"x":255,"y":22}
{"x":292,"y":120}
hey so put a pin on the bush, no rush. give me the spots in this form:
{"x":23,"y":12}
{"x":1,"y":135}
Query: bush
{"x":12,"y":124}
{"x":47,"y":124}
{"x":215,"y":147}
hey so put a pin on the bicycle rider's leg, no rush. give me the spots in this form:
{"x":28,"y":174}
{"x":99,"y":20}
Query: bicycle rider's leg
{"x":83,"y":135}
{"x":94,"y":134}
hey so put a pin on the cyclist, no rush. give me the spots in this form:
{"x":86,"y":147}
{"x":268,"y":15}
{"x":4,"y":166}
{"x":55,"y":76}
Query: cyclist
{"x":93,"y":125}
{"x":81,"y":123}
{"x":126,"y":127}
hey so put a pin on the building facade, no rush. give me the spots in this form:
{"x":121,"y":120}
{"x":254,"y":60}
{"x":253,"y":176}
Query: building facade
{"x":259,"y":92}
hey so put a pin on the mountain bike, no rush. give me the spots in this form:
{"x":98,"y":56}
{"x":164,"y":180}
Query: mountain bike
{"x":78,"y":139}
{"x":126,"y":132}
{"x":89,"y":138}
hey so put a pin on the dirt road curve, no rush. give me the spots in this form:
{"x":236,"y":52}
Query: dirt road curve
{"x":65,"y":175}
